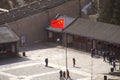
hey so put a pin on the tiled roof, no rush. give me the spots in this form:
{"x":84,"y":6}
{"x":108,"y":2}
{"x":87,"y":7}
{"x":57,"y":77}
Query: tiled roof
{"x":7,"y":35}
{"x":95,"y":30}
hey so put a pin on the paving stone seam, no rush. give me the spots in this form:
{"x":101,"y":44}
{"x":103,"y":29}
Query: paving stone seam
{"x":42,"y":74}
{"x":19,"y":66}
{"x":7,"y":74}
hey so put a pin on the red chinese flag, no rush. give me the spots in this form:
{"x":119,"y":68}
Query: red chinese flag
{"x":57,"y":23}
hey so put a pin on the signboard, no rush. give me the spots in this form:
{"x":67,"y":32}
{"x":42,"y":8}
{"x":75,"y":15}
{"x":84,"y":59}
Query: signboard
{"x":23,"y":40}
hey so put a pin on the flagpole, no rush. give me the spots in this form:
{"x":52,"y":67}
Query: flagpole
{"x":61,"y":24}
{"x":66,"y":50}
{"x":66,"y":58}
{"x":91,"y":67}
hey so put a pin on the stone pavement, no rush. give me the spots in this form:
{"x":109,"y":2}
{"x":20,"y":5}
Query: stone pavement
{"x":33,"y":67}
{"x":33,"y":70}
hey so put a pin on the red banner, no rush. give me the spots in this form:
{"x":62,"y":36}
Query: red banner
{"x":57,"y":23}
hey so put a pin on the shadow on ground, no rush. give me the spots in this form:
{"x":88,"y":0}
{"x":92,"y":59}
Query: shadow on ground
{"x":12,"y":60}
{"x":115,"y":73}
{"x":77,"y":67}
{"x":37,"y":46}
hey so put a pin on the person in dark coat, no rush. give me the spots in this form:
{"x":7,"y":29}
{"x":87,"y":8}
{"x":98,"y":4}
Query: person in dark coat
{"x":68,"y":74}
{"x":114,"y":65}
{"x":110,"y":60}
{"x":107,"y":55}
{"x":64,"y":74}
{"x":104,"y":56}
{"x":60,"y":73}
{"x":74,"y":61}
{"x":46,"y":62}
{"x":92,"y":52}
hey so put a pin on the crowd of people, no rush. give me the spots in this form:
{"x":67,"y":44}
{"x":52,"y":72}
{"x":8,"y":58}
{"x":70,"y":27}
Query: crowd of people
{"x":108,"y":56}
{"x":63,"y":74}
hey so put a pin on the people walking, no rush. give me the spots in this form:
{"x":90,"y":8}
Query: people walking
{"x":107,"y":55}
{"x":60,"y":74}
{"x":68,"y":74}
{"x":24,"y":54}
{"x":104,"y":56}
{"x":114,"y":65}
{"x":64,"y":74}
{"x":110,"y":60}
{"x":74,"y":62}
{"x":92,"y":52}
{"x":46,"y":62}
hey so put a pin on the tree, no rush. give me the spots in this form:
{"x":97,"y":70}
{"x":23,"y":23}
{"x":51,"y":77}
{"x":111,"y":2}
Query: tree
{"x":110,"y":11}
{"x":106,"y":10}
{"x":116,"y":13}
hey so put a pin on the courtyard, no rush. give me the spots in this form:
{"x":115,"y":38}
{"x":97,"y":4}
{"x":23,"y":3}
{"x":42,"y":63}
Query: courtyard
{"x":32,"y":67}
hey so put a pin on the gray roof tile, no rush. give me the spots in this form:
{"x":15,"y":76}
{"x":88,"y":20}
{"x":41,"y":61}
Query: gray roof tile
{"x":95,"y":30}
{"x":7,"y":35}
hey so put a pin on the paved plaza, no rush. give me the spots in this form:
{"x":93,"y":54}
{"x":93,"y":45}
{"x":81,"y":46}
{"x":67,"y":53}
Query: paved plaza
{"x":33,"y":67}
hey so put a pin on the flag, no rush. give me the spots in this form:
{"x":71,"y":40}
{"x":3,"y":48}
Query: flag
{"x":57,"y":23}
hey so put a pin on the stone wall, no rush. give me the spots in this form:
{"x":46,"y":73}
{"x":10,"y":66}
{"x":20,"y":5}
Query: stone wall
{"x":28,"y":10}
{"x":32,"y":26}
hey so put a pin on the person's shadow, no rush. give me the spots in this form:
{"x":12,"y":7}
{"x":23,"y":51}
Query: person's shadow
{"x":77,"y":67}
{"x":49,"y":67}
{"x":61,"y":78}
